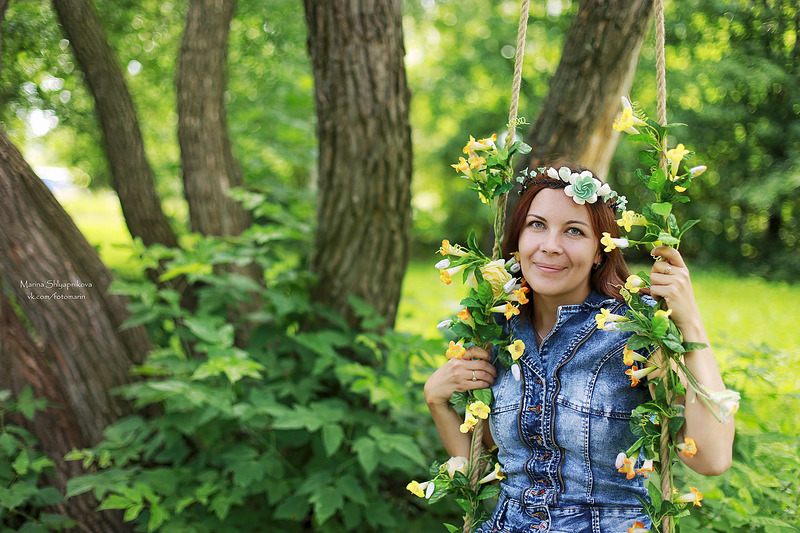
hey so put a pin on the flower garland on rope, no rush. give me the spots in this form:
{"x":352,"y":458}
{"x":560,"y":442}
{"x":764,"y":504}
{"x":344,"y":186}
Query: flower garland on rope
{"x":495,"y":286}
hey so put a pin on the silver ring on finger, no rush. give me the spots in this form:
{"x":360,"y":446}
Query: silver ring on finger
{"x":668,"y":270}
{"x":473,"y":376}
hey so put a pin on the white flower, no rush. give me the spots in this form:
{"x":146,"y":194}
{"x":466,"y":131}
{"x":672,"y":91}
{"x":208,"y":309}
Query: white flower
{"x":444,"y":263}
{"x":696,"y":171}
{"x":510,"y":285}
{"x":456,"y":464}
{"x":620,"y":459}
{"x":565,"y":174}
{"x":444,"y":324}
{"x":552,"y":173}
{"x":515,"y":371}
{"x":727,"y":401}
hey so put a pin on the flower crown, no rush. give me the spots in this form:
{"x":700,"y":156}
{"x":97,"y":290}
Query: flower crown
{"x":582,"y":187}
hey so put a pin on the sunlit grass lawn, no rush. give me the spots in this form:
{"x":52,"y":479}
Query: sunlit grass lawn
{"x":98,"y":216}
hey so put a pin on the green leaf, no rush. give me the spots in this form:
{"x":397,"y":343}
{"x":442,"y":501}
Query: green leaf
{"x":466,"y":505}
{"x":326,"y":502}
{"x":8,"y":443}
{"x":668,"y":239}
{"x":662,"y":209}
{"x":158,"y":515}
{"x":657,"y":180}
{"x":452,"y":529}
{"x":332,"y":435}
{"x":293,"y":508}
{"x":21,"y":463}
{"x":483,"y":395}
{"x":692,"y":346}
{"x":489,"y":491}
{"x":210,"y":330}
{"x":367,"y":453}
{"x":637,"y":342}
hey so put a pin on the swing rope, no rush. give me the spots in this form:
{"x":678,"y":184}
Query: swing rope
{"x":661,"y":109}
{"x":475,"y":454}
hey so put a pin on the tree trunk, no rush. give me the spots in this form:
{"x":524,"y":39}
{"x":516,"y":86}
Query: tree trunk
{"x":597,"y":65}
{"x":25,"y":363}
{"x":209,"y":167}
{"x":362,"y":103}
{"x":61,"y":287}
{"x":132,"y":176}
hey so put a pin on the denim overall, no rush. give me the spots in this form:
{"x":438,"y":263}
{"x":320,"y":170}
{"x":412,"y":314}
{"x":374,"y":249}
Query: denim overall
{"x":560,"y":427}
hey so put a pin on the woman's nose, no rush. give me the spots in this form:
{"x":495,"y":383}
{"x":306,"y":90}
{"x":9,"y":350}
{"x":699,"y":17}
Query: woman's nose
{"x":551,"y":243}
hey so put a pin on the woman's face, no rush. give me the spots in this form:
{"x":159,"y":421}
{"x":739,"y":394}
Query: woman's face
{"x":557,"y":248}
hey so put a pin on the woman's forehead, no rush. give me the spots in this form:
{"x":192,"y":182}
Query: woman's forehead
{"x":554,"y":204}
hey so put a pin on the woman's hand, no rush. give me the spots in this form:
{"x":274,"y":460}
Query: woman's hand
{"x":670,"y":280}
{"x":473,"y":371}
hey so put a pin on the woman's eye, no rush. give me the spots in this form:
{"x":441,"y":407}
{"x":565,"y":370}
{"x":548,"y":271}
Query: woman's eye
{"x":535,"y":224}
{"x":574,"y":231}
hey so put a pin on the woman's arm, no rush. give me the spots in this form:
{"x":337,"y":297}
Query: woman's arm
{"x":456,"y":375}
{"x":670,"y":280}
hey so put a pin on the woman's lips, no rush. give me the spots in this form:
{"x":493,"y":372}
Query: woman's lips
{"x":549,"y":269}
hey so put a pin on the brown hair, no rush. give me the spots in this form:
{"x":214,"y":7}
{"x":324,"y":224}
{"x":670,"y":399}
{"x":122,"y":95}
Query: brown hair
{"x":613,"y":270}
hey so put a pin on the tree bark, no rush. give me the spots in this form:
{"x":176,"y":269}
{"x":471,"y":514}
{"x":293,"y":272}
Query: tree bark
{"x":61,"y":286}
{"x":25,"y":363}
{"x":132,"y":176}
{"x":597,"y":65}
{"x":362,"y":103}
{"x":209,"y":167}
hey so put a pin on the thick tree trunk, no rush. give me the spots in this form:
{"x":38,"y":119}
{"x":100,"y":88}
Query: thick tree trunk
{"x":131,"y":173}
{"x":362,"y":101}
{"x":25,"y":363}
{"x":597,"y":65}
{"x":61,"y":287}
{"x":209,"y":167}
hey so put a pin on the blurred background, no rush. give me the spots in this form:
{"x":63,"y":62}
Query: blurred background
{"x":733,"y":73}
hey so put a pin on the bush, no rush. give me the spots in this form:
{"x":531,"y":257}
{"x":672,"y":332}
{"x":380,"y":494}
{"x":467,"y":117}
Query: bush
{"x":311,"y":426}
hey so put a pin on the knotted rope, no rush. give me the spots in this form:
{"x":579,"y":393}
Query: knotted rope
{"x":661,"y":109}
{"x":475,"y":454}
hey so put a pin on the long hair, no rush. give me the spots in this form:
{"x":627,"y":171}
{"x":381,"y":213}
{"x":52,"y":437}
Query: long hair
{"x":613,"y":271}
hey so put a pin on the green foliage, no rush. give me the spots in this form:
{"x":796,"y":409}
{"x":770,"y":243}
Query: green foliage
{"x":759,"y":493}
{"x":23,"y":494}
{"x":732,"y":74}
{"x":311,"y":426}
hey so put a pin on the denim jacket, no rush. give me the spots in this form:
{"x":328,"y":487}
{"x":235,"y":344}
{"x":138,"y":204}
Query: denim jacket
{"x":560,"y":427}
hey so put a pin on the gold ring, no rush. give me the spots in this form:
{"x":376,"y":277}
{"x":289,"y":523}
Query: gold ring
{"x":473,"y":376}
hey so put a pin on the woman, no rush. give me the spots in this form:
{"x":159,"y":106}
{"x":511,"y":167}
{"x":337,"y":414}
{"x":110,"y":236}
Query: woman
{"x":560,"y":426}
